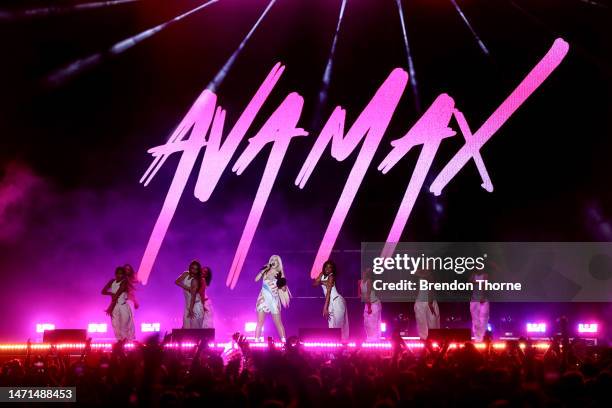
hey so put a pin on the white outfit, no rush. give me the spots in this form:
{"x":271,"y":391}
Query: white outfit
{"x":338,"y":315}
{"x":122,"y":318}
{"x":268,"y":300}
{"x":479,"y":311}
{"x":425,"y":319}
{"x":202,"y":312}
{"x":371,"y":321}
{"x":480,"y":318}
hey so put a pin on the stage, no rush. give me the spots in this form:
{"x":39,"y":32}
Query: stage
{"x":383,"y":347}
{"x":323,"y":182}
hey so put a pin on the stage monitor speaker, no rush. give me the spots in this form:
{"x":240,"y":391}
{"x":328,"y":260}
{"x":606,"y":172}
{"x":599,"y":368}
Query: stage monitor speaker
{"x":192,"y":335}
{"x":442,"y":335}
{"x":320,"y":334}
{"x":65,"y":336}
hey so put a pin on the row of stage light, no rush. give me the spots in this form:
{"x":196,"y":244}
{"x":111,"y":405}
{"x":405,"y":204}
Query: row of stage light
{"x":410,"y":342}
{"x":249,"y":327}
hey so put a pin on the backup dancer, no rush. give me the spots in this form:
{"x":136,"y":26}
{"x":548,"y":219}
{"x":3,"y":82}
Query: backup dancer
{"x":426,"y":311}
{"x":334,"y":309}
{"x":208,"y":320}
{"x":479,"y":306}
{"x":373,"y":308}
{"x":120,"y":310}
{"x":274,"y":294}
{"x":198,"y":313}
{"x":132,"y":282}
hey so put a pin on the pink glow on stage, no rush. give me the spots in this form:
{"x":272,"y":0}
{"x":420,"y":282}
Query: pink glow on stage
{"x":41,"y":327}
{"x":536,"y":327}
{"x":249,"y":327}
{"x":150,"y":327}
{"x":264,"y":344}
{"x":377,"y":345}
{"x":321,"y":344}
{"x":588,"y":328}
{"x":383,"y":327}
{"x":382,"y":346}
{"x":204,"y":122}
{"x":412,"y":345}
{"x":542,"y":346}
{"x":97,"y":328}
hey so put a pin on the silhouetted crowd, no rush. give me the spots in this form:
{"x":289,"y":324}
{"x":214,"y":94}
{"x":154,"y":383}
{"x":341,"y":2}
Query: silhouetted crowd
{"x":151,"y":375}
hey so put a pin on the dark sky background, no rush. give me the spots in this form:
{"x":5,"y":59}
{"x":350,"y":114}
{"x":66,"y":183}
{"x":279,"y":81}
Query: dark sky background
{"x":72,"y":153}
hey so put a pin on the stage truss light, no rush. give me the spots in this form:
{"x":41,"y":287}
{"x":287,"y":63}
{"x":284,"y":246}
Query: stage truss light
{"x":150,"y":327}
{"x":41,"y":327}
{"x":97,"y":328}
{"x":536,"y":327}
{"x":588,"y":328}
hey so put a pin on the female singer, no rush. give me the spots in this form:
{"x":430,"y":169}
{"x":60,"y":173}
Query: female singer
{"x":373,"y":308}
{"x":198,"y":314}
{"x":274,"y":293}
{"x":334,"y":309}
{"x":120,"y":310}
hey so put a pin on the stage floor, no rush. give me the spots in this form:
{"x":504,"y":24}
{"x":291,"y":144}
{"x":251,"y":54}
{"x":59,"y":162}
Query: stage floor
{"x":382,"y":346}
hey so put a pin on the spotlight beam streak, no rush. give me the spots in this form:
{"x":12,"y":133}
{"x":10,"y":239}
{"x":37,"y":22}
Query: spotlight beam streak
{"x":481,"y":44}
{"x":63,"y":74}
{"x":594,"y":3}
{"x":212,"y":86}
{"x":326,"y":80}
{"x":603,"y":65}
{"x":52,"y":11}
{"x":411,"y":71}
{"x":218,"y":79}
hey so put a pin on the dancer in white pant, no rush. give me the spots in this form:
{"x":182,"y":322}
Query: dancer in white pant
{"x":479,"y":307}
{"x":274,"y":294}
{"x":120,"y":310}
{"x":426,"y":311}
{"x":373,"y":308}
{"x":334,"y":309}
{"x":208,"y":321}
{"x":132,"y":282}
{"x":198,"y":314}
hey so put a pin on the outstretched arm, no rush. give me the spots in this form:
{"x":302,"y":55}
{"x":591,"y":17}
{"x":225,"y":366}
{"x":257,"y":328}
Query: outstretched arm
{"x":180,"y":281}
{"x":261,"y":273}
{"x":317,"y":281}
{"x":106,"y":288}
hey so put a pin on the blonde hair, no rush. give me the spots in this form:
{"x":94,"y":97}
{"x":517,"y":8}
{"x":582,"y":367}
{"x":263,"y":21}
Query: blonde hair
{"x":283,"y":294}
